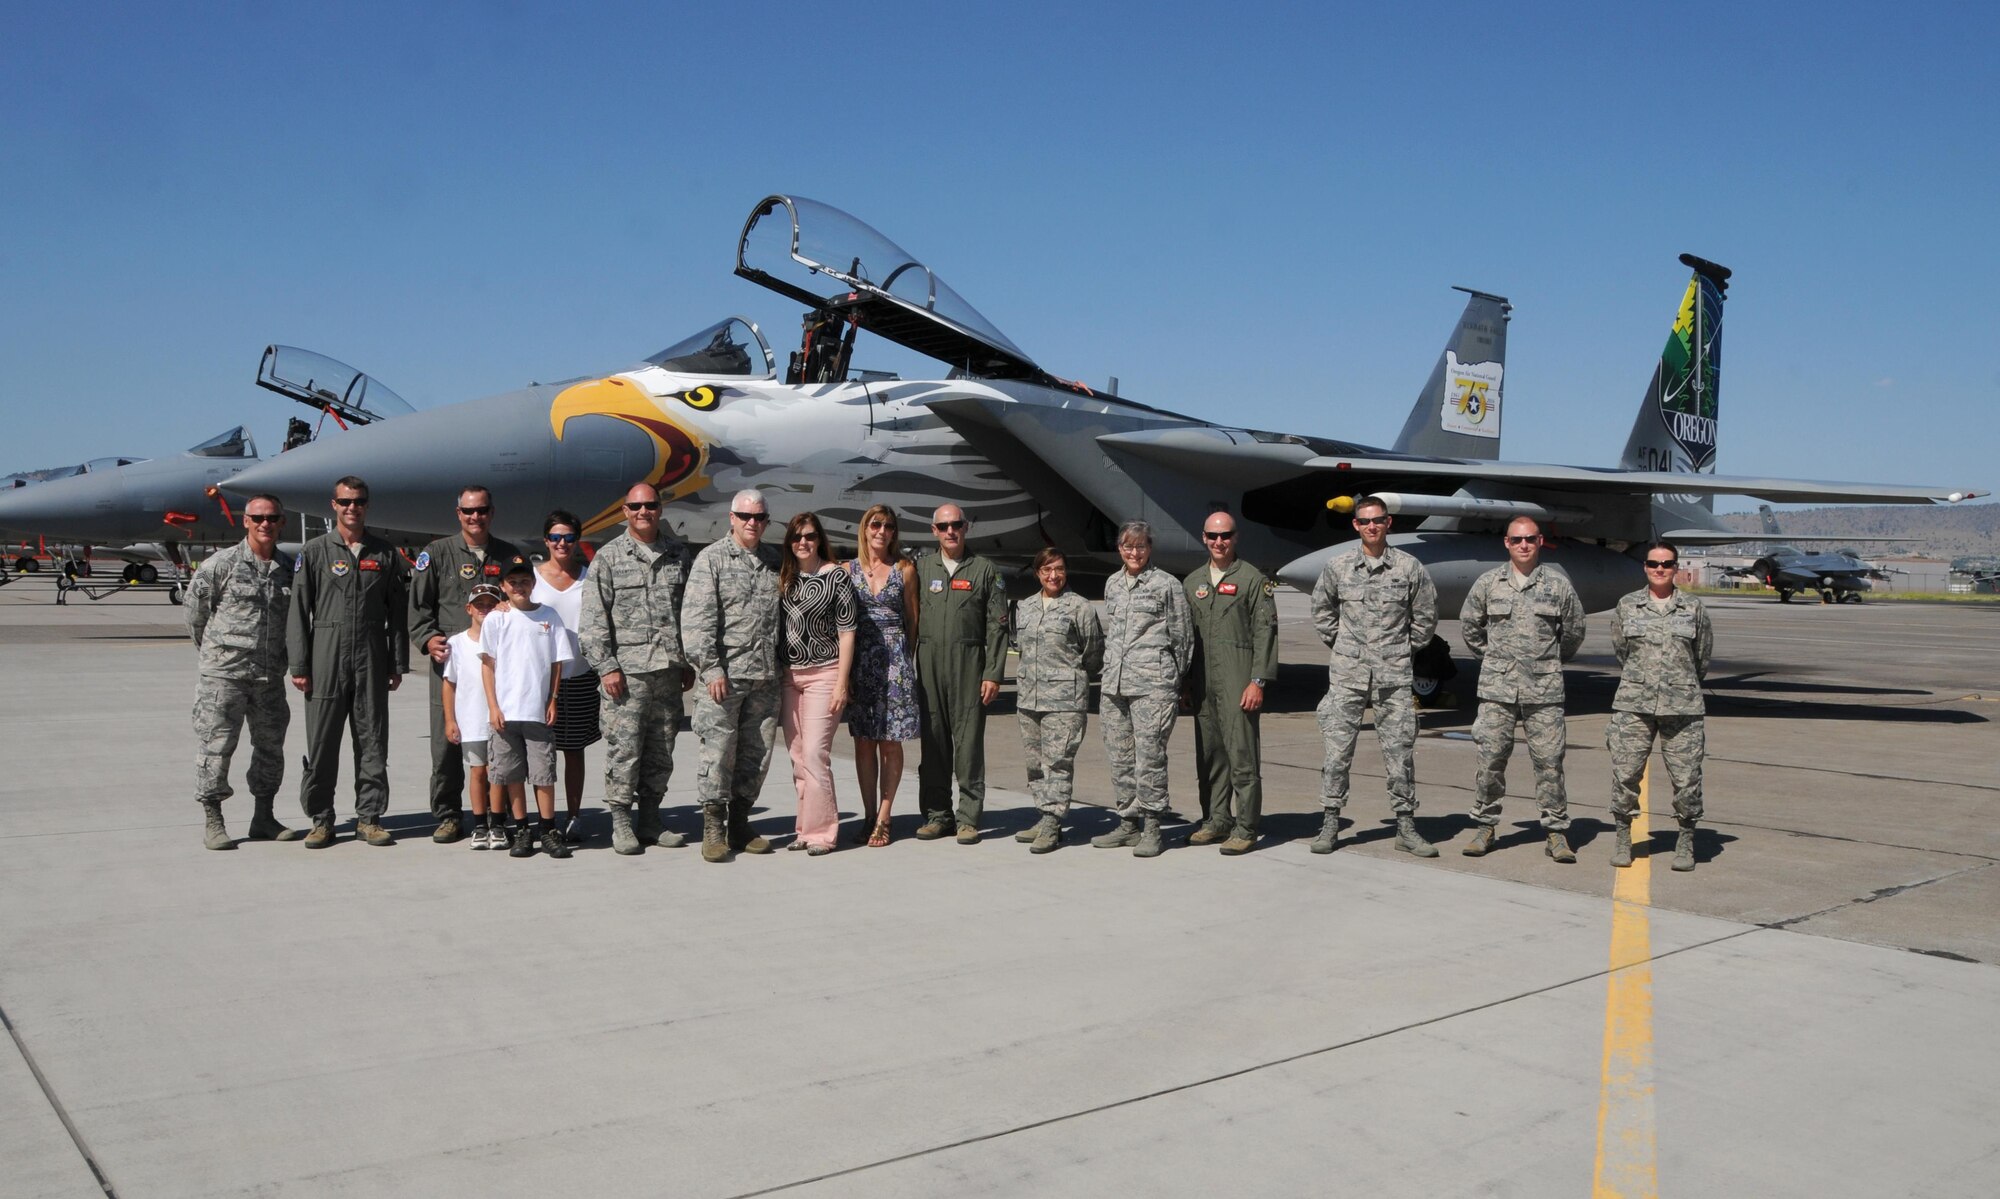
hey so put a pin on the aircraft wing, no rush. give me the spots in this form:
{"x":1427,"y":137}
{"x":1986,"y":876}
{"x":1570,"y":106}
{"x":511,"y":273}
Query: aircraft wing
{"x":1604,"y":480}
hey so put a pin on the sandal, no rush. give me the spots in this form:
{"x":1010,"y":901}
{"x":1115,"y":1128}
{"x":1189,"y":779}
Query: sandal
{"x":880,"y":836}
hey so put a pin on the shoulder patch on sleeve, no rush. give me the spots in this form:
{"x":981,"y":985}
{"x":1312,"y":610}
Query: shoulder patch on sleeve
{"x":299,"y":563}
{"x":424,"y":561}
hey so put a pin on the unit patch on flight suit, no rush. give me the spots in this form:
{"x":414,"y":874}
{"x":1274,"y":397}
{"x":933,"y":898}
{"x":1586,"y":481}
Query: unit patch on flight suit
{"x":424,"y":560}
{"x":466,"y":570}
{"x":340,"y":568}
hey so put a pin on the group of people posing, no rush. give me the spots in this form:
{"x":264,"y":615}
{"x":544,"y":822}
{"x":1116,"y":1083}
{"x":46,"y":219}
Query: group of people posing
{"x":534,"y":659}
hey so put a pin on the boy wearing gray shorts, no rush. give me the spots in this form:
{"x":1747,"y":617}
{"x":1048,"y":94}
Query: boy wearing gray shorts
{"x":521,"y":648}
{"x":465,"y":718}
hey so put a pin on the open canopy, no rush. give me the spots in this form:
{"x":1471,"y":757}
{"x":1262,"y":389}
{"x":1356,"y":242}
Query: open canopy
{"x":328,"y":384}
{"x":824,"y":258}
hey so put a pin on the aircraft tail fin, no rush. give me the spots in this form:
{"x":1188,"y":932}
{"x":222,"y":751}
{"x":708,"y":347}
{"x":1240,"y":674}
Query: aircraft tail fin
{"x":1770,"y":519}
{"x":1675,"y":429}
{"x":1457,"y":414}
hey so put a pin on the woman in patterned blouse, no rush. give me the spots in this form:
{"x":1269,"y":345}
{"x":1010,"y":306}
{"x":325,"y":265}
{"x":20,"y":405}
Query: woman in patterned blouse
{"x":818,"y":612}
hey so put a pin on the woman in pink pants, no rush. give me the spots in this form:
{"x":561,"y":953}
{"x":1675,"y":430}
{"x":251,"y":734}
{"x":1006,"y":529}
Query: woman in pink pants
{"x":818,"y":613}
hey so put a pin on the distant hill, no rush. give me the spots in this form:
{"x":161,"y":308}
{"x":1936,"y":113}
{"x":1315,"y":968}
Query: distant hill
{"x":1942,"y":532}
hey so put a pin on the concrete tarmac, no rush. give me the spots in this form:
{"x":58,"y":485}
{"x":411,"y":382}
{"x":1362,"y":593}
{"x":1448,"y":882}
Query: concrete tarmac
{"x":1808,"y":1013}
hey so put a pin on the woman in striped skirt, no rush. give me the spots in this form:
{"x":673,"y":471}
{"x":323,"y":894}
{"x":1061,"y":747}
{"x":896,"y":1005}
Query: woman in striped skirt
{"x":558,"y":583}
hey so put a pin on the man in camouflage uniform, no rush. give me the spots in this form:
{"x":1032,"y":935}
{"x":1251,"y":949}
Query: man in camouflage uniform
{"x":348,"y":643}
{"x":1062,"y":645}
{"x":1236,"y":627}
{"x":442,"y":580}
{"x":961,"y":649}
{"x":1148,"y":647}
{"x":631,"y":636}
{"x":236,"y":609}
{"x":729,"y":621}
{"x":1663,"y":639}
{"x":1374,"y":607}
{"x":1522,"y":621}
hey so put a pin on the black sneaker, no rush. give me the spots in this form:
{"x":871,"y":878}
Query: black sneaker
{"x":524,"y":842}
{"x":553,"y":843}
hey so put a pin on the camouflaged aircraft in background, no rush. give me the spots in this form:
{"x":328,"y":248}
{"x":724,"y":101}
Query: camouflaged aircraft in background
{"x":1035,"y":459}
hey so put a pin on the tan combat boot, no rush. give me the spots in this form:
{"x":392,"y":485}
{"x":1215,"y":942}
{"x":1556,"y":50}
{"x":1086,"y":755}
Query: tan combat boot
{"x":1329,"y":833}
{"x":1482,"y":841}
{"x":1410,"y":841}
{"x":714,"y":833}
{"x":741,"y":837}
{"x":321,"y":835}
{"x":623,"y":839}
{"x":1127,"y":833}
{"x":1048,"y":834}
{"x":647,"y":827}
{"x":1684,"y":849}
{"x":1207,"y":834}
{"x":1621,"y":849}
{"x":371,"y":832}
{"x":214,"y":835}
{"x":1150,"y":845}
{"x":1558,"y":847}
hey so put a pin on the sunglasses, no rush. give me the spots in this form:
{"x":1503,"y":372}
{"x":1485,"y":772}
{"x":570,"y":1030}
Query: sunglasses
{"x":751,"y":518}
{"x":262,"y":519}
{"x":1668,"y":564}
{"x":482,"y":510}
{"x":1530,"y":539}
{"x":948,"y":526}
{"x":880,"y":524}
{"x":1228,"y":536}
{"x":559,"y":538}
{"x":1371,"y":520}
{"x":795,"y":538}
{"x":360,"y":503}
{"x":642,"y":506}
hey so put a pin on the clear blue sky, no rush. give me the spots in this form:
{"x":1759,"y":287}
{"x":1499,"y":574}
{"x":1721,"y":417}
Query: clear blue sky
{"x":1245,"y":212}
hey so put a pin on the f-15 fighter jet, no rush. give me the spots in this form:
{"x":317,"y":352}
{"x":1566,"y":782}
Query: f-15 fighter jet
{"x":1035,"y":459}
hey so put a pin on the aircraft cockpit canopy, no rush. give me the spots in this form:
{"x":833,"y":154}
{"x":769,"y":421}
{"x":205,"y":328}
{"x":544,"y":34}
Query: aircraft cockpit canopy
{"x":329,"y":385}
{"x":729,"y":347}
{"x":236,"y":443}
{"x":103,"y":464}
{"x":847,"y":274}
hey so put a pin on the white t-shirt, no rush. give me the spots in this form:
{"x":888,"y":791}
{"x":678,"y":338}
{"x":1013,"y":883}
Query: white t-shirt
{"x":461,"y":670}
{"x":568,"y":604}
{"x":524,"y":647}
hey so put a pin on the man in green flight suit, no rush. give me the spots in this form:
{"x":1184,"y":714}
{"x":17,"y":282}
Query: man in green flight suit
{"x":348,"y":645}
{"x":446,"y":572}
{"x":1236,"y":653}
{"x":961,"y":649}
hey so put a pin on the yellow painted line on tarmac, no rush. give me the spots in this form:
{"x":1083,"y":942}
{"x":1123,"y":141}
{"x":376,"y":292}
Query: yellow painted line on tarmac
{"x":1627,"y":1163}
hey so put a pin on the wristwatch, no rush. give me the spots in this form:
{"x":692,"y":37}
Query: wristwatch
{"x":1256,"y":682}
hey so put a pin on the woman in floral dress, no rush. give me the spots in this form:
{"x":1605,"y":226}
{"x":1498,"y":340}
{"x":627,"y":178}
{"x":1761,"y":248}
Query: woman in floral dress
{"x":882,"y":710}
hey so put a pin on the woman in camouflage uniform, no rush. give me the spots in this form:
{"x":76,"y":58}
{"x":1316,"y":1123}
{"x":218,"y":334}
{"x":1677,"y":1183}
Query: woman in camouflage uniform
{"x":1061,"y":646}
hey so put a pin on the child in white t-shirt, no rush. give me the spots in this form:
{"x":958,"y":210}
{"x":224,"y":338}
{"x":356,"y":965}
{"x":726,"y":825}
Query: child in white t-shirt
{"x":465,"y":722}
{"x":522,"y":648}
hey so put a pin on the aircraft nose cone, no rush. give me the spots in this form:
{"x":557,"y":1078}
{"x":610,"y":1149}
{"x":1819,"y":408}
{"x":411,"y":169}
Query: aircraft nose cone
{"x":415,"y":466}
